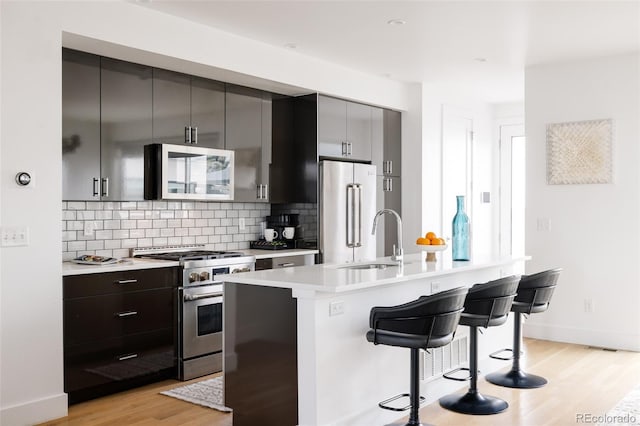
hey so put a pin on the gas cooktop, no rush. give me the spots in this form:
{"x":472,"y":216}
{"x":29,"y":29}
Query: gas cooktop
{"x":183,"y":253}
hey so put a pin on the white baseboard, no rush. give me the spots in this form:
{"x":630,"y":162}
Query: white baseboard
{"x":581,"y":336}
{"x":34,"y":412}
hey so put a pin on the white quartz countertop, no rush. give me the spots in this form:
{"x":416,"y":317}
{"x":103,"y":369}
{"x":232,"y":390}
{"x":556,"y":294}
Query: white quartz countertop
{"x":265,"y":254}
{"x":331,"y":278}
{"x":125,"y":264}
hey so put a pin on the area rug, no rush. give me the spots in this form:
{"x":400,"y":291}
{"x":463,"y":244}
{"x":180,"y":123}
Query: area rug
{"x":626,"y":412}
{"x":209,"y":393}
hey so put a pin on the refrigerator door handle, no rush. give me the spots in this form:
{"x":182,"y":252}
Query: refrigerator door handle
{"x":351,"y":207}
{"x":357,"y":215}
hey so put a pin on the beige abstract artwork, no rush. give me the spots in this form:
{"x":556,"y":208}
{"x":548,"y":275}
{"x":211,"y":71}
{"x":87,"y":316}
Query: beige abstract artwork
{"x":579,"y":152}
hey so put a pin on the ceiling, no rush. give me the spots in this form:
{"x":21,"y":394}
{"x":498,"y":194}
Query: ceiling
{"x":482,"y":47}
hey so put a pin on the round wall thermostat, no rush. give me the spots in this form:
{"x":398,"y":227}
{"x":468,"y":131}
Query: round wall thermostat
{"x":23,"y":178}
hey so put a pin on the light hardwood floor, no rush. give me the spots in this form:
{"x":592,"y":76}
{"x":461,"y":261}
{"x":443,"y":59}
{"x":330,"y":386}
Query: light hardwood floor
{"x":582,"y":380}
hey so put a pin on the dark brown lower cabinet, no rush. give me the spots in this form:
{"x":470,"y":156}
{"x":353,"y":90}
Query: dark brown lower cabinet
{"x":121,"y":336}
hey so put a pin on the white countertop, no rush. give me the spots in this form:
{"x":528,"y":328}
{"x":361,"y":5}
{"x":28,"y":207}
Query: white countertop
{"x":337,"y":278}
{"x":265,"y":254}
{"x":125,"y":264}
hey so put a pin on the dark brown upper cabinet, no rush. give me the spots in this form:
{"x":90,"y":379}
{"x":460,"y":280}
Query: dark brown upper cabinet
{"x":248,"y":134}
{"x":344,"y":129}
{"x":188,"y":110}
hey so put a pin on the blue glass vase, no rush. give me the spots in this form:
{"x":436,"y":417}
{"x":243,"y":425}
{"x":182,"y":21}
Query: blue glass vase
{"x":460,"y":232}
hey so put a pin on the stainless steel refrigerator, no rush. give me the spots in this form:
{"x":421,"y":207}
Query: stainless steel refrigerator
{"x":347,"y":207}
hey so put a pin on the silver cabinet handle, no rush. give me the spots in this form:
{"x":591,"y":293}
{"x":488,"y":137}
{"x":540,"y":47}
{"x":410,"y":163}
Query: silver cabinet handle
{"x":124,"y":357}
{"x":194,"y":135}
{"x":349,"y":148}
{"x":286,"y":264}
{"x":95,"y":187}
{"x":126,"y":314}
{"x":387,"y":185}
{"x":126,"y":281}
{"x":258,"y":191}
{"x":345,"y":148}
{"x":105,"y":187}
{"x":265,"y":192}
{"x":187,"y":134}
{"x":387,"y":167}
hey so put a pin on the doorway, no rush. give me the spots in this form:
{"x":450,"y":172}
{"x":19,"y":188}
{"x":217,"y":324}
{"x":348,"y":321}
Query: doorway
{"x":512,"y":190}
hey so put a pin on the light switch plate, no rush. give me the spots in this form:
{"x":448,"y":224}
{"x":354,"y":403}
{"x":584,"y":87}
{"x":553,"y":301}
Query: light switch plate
{"x":15,"y":236}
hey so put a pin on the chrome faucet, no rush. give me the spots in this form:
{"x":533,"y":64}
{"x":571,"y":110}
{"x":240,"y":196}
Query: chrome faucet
{"x":397,"y":251}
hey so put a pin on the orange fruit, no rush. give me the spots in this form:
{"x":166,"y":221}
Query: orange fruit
{"x":437,"y":241}
{"x":423,"y":241}
{"x":430,"y":235}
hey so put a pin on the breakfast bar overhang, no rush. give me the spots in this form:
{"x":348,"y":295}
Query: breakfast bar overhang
{"x":295,"y":346}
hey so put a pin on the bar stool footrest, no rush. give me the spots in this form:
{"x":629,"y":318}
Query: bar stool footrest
{"x":393,"y":398}
{"x":449,"y":375}
{"x":495,"y":355}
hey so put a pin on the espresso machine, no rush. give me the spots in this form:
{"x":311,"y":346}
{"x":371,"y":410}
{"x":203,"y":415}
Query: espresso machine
{"x":282,"y":224}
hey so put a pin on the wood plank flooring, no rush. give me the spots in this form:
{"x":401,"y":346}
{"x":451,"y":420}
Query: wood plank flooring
{"x":582,"y":380}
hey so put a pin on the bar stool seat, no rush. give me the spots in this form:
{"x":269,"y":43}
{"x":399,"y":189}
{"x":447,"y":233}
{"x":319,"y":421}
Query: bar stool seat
{"x":486,"y":305}
{"x":428,"y":322}
{"x":534,"y":295}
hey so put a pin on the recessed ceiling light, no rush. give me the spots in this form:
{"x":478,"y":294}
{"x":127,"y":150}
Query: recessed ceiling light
{"x":396,"y":22}
{"x":291,"y":46}
{"x":479,"y":59}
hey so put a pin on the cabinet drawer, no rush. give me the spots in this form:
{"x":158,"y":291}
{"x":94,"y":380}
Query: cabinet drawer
{"x":103,"y":317}
{"x":118,"y":360}
{"x":118,"y":282}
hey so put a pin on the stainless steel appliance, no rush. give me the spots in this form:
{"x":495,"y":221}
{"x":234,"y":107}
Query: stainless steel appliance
{"x":347,"y":208}
{"x":200,"y":303}
{"x":182,"y":172}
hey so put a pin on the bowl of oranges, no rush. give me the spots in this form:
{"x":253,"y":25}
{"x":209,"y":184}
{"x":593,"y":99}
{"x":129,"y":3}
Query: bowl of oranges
{"x":432,"y":244}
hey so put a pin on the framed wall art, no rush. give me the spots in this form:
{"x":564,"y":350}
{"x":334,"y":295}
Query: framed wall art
{"x":579,"y":152}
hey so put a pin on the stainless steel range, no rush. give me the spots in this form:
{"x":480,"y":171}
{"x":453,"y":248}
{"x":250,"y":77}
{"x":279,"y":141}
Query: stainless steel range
{"x":200,"y":303}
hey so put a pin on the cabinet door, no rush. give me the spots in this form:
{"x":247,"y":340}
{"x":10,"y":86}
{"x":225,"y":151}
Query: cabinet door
{"x":332,"y":127}
{"x":207,"y":112}
{"x":126,"y":101}
{"x":244,"y":137}
{"x":359,"y":131}
{"x":171,"y":106}
{"x":377,"y":139}
{"x":392,"y":143}
{"x":80,"y":125}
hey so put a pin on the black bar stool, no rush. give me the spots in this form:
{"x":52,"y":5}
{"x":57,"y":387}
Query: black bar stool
{"x":486,"y":305}
{"x":428,"y":322}
{"x":534,"y":294}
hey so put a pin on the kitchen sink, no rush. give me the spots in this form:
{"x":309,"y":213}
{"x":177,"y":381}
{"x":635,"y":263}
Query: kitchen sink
{"x":371,"y":266}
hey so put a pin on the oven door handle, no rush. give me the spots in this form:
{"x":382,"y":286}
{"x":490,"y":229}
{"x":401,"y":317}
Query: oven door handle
{"x":194,"y":297}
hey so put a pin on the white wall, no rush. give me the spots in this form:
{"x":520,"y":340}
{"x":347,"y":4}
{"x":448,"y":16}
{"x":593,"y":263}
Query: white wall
{"x":32,"y":34}
{"x":594,"y":229}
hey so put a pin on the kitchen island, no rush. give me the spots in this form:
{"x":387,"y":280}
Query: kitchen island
{"x":295,"y":346}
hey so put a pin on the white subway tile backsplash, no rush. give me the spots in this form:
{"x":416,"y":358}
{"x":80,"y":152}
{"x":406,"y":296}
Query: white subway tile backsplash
{"x":120,"y":226}
{"x":136,"y":214}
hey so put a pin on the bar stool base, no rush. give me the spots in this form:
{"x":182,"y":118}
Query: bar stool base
{"x":473,"y":403}
{"x":516,"y":379}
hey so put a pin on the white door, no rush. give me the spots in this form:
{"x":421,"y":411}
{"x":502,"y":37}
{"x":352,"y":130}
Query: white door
{"x":512,"y":189}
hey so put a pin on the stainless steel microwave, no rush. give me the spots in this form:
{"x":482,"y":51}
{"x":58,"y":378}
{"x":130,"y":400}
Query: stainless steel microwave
{"x":181,"y":172}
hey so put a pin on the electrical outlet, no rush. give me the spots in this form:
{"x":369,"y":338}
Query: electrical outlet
{"x":544,"y":224}
{"x":89,"y":227}
{"x":15,"y":236}
{"x":241,"y":224}
{"x":435,"y":286}
{"x":588,"y":305}
{"x":336,"y":308}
